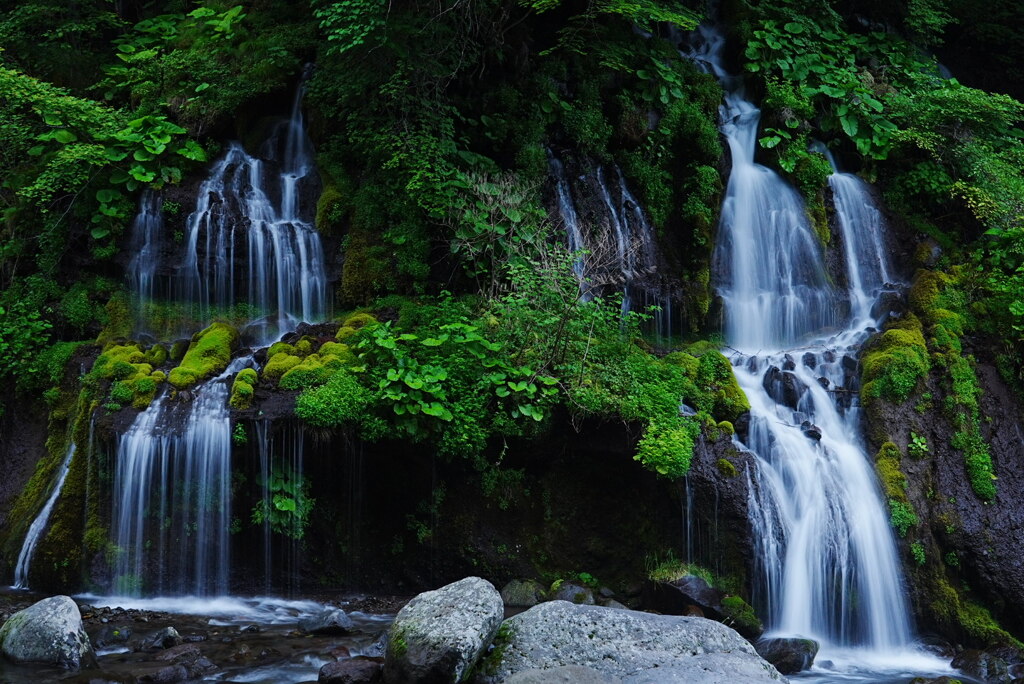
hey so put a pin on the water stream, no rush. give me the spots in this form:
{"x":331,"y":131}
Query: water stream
{"x":825,"y":551}
{"x":38,"y":526}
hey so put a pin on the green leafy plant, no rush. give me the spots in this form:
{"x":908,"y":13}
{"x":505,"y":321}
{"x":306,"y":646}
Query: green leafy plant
{"x":289,"y":508}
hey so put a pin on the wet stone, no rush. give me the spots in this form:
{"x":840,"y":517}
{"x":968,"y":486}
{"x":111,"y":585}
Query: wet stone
{"x":810,"y":360}
{"x":788,"y":363}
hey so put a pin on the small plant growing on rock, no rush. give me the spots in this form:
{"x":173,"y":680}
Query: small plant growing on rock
{"x":918,"y":446}
{"x":917,"y":550}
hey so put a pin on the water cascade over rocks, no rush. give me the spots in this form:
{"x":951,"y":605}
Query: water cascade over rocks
{"x":250,"y":250}
{"x":172,"y":484}
{"x":826,"y":553}
{"x":38,"y":526}
{"x":615,"y":243}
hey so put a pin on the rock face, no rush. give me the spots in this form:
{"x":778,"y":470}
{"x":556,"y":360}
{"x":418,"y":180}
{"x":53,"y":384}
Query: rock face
{"x":330,"y":621}
{"x":684,"y":595}
{"x":568,"y":674}
{"x":522,"y":593}
{"x":49,"y":631}
{"x":628,"y":645}
{"x":439,"y":635}
{"x":789,"y":656}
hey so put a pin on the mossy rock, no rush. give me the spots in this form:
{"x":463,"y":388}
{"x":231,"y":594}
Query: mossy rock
{"x":208,"y":354}
{"x":118,"y":325}
{"x":178,"y":350}
{"x":895,"y":362}
{"x":279,"y":364}
{"x":281,"y":347}
{"x":330,"y":210}
{"x":353,"y":324}
{"x":134,"y":380}
{"x":157,"y":355}
{"x":683,"y":360}
{"x":887,"y":466}
{"x":315,"y":369}
{"x":726,"y":468}
{"x":243,"y":388}
{"x":741,"y":617}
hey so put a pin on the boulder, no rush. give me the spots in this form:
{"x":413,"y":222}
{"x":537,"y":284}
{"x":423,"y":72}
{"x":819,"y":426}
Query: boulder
{"x":625,"y":644}
{"x":439,"y":635}
{"x":167,"y":637}
{"x":522,"y":593}
{"x":49,"y":631}
{"x":332,"y":621}
{"x":692,"y":595}
{"x":353,"y":671}
{"x":1000,"y":664}
{"x":112,"y":635}
{"x":567,"y":674}
{"x":573,"y":593}
{"x":788,"y":655}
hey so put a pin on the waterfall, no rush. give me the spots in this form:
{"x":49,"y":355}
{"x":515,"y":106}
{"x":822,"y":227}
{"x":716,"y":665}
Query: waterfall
{"x":146,"y":231}
{"x":35,"y":531}
{"x":825,"y":549}
{"x":619,"y":246}
{"x":250,"y":249}
{"x":172,"y":503}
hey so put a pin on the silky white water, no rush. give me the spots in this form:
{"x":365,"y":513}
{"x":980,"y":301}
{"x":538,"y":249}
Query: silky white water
{"x":826,"y":554}
{"x":38,"y":526}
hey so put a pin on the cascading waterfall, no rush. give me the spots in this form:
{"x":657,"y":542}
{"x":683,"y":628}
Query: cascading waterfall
{"x":38,"y":526}
{"x":620,"y":249}
{"x":248,"y":242}
{"x":827,"y":555}
{"x":147,"y":229}
{"x":172,"y":504}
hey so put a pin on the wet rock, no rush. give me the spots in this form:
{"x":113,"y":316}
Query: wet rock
{"x":829,"y":356}
{"x":752,"y":365}
{"x":824,"y":382}
{"x":573,"y":593}
{"x":612,"y":603}
{"x":567,"y":674}
{"x":632,"y":646}
{"x":784,"y":387}
{"x":50,"y":631}
{"x":676,"y":598}
{"x":789,"y":656}
{"x":439,"y":635}
{"x":333,"y":621}
{"x":994,"y":665}
{"x":810,"y":360}
{"x":111,"y":635}
{"x":354,"y":671}
{"x":811,"y":431}
{"x":165,"y":638}
{"x":187,"y":663}
{"x":522,"y":593}
{"x":788,"y":363}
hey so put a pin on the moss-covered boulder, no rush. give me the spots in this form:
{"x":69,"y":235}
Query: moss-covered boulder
{"x":243,"y":388}
{"x":208,"y":354}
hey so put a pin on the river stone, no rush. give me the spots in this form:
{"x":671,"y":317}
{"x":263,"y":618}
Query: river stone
{"x":49,"y":631}
{"x":522,"y":593}
{"x":439,"y":635}
{"x":567,"y":674}
{"x":332,"y":621}
{"x":352,"y":671}
{"x":633,"y":646}
{"x":167,"y":637}
{"x":788,"y":655}
{"x":573,"y":593}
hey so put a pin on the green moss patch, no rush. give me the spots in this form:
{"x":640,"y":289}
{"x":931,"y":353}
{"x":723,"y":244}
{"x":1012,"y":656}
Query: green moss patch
{"x":895,"y":362}
{"x":208,"y":354}
{"x":243,"y":388}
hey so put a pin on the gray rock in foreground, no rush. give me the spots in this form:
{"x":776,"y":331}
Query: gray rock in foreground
{"x":439,"y":635}
{"x":638,"y":648}
{"x":49,"y":631}
{"x":567,"y":674}
{"x":330,"y":621}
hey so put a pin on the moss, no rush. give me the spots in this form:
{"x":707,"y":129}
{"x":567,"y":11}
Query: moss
{"x":314,"y":370}
{"x":135,"y":381}
{"x":208,"y":354}
{"x":118,"y":324}
{"x":740,"y":613}
{"x":925,"y":290}
{"x":959,"y":614}
{"x":895,"y":362}
{"x":243,"y":388}
{"x":178,"y":350}
{"x":683,"y":360}
{"x":726,"y":468}
{"x":727,"y":428}
{"x":359,"y":320}
{"x":157,"y":355}
{"x":330,"y":210}
{"x":279,"y":347}
{"x":279,"y":364}
{"x":714,"y":373}
{"x":887,"y":466}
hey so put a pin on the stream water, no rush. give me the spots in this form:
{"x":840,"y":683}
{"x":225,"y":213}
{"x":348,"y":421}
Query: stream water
{"x":826,"y":555}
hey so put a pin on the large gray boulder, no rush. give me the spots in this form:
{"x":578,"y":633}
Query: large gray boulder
{"x":49,"y":631}
{"x":629,"y":645}
{"x":439,"y":635}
